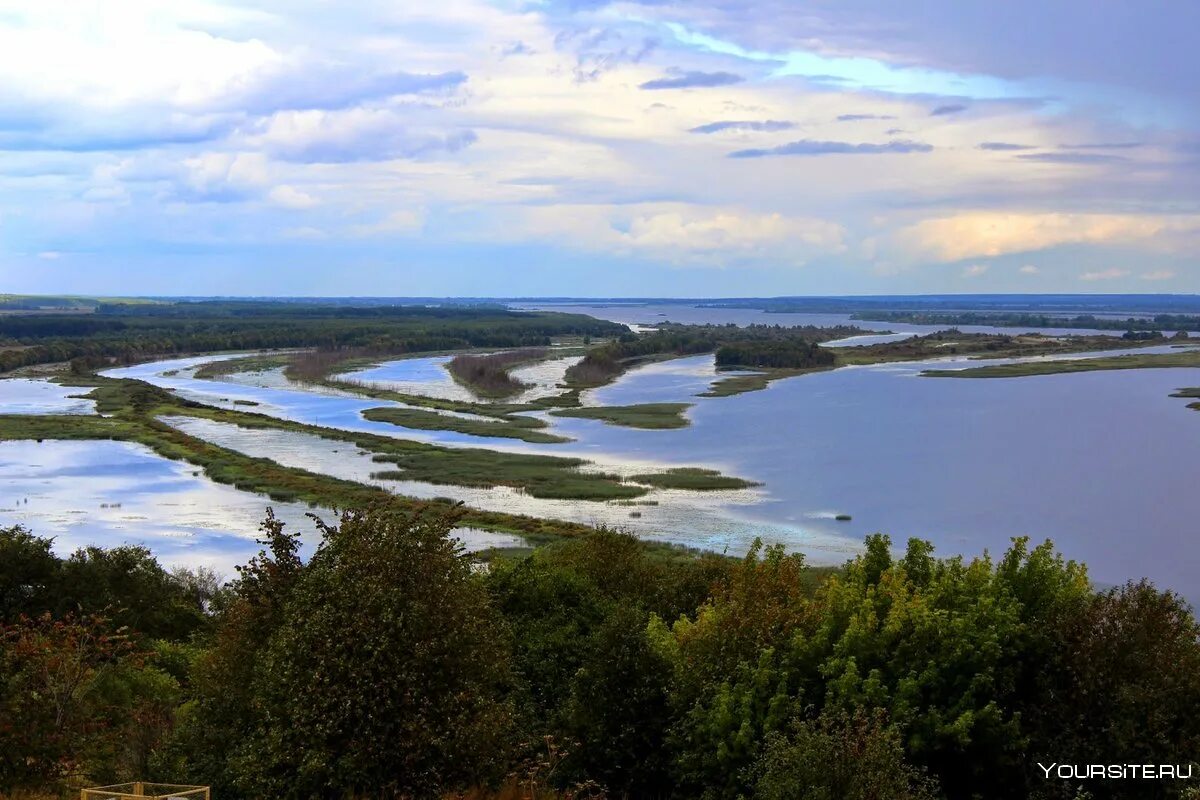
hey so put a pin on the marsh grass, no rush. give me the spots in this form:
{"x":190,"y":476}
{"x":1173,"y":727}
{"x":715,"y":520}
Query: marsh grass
{"x":652,"y":416}
{"x":1184,"y":358}
{"x":487,"y":375}
{"x":527,"y":429}
{"x":693,"y":478}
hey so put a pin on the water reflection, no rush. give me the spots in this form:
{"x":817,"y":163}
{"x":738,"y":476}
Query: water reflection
{"x":25,"y":396}
{"x":110,"y":493}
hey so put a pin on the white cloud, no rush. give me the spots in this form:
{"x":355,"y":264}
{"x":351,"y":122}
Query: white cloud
{"x":405,"y":221}
{"x":426,"y":120}
{"x":681,"y":233}
{"x":290,"y":197}
{"x":1159,"y":275}
{"x":988,"y":233}
{"x":1110,"y":274}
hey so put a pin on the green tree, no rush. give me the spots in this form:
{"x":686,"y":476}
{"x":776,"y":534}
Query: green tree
{"x":29,"y":574}
{"x":838,"y":756}
{"x":387,"y":672}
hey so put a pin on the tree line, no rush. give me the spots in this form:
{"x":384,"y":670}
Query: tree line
{"x":1161,"y":322}
{"x":388,"y":665}
{"x":603,"y":363}
{"x":126,"y":333}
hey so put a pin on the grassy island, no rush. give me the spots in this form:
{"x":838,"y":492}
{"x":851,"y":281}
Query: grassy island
{"x":693,"y":478}
{"x":651,"y":416}
{"x":1184,"y":358}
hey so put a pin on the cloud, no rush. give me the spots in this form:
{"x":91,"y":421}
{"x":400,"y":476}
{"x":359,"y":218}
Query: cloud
{"x":290,"y":197}
{"x":1072,"y":158}
{"x":361,"y":134}
{"x":405,"y":221}
{"x":693,"y":80}
{"x":974,"y":270}
{"x":1102,"y":146}
{"x":220,"y":177}
{"x":952,"y":108}
{"x":1110,"y":274}
{"x":1158,"y":275}
{"x":329,"y":87}
{"x":1002,"y":146}
{"x":857,"y":117}
{"x":680,"y":232}
{"x":1029,"y":269}
{"x":770,"y":125}
{"x":984,"y":234}
{"x":810,"y":147}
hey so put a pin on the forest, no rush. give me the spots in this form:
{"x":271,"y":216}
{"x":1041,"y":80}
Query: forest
{"x":603,"y":363}
{"x":388,"y":664}
{"x":775,"y":354}
{"x":1155,"y":322}
{"x":123,"y":333}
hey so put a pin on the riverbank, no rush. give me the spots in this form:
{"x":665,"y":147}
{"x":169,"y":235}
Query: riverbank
{"x":1189,"y":357}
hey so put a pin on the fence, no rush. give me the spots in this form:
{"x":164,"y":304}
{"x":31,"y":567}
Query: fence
{"x":145,"y":791}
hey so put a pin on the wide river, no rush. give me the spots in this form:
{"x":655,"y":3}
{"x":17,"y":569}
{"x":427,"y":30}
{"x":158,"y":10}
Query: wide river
{"x":1102,"y":463}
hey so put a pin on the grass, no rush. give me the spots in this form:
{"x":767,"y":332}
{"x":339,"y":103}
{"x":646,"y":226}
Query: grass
{"x":739,"y":384}
{"x":131,"y":409}
{"x":1184,"y":358}
{"x":487,"y":375}
{"x":508,"y":427}
{"x":693,"y":478}
{"x":651,"y":416}
{"x":254,"y":363}
{"x":260,"y":475}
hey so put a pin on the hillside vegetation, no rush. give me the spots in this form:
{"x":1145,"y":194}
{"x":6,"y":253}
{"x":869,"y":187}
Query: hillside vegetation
{"x":387,"y":666}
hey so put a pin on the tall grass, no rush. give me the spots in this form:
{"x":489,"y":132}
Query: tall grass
{"x":488,"y":375}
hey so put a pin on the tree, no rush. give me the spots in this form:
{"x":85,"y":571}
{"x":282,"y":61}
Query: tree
{"x":387,"y":672}
{"x":52,"y":716}
{"x":29,"y":574}
{"x":839,"y":756}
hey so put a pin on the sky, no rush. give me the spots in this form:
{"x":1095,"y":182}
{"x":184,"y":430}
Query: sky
{"x":594,"y":148}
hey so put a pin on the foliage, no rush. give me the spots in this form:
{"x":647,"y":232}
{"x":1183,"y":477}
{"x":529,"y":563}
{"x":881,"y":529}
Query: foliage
{"x":124,"y":333}
{"x":838,"y":756}
{"x":786,"y":354}
{"x":598,"y":665}
{"x":603,"y":363}
{"x":642,"y":415}
{"x":487,"y":375}
{"x":74,"y":698}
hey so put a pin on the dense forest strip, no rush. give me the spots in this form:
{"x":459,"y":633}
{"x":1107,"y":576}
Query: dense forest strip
{"x":953,"y":342}
{"x":1185,"y":358}
{"x":1000,"y":319}
{"x":488,"y":375}
{"x":936,"y":345}
{"x":651,"y":416}
{"x":605,"y":363}
{"x":127,"y":333}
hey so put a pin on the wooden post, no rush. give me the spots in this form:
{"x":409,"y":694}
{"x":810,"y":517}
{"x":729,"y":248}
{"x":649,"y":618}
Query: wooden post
{"x":137,"y":789}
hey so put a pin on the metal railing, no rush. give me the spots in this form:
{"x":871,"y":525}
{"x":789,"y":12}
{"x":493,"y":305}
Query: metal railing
{"x":146,"y":791}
